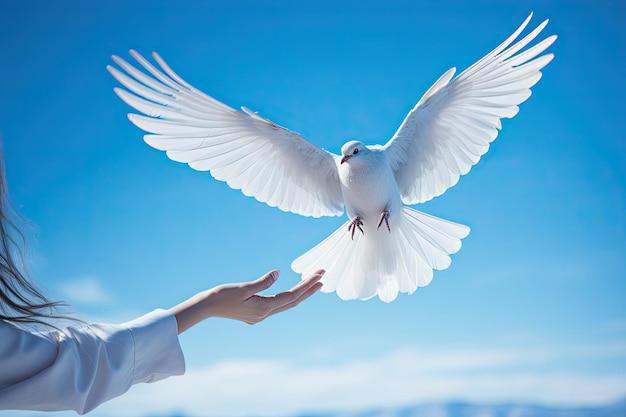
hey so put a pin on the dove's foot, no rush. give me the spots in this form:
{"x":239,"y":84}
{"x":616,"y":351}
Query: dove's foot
{"x":356,"y":222}
{"x":384,"y":216}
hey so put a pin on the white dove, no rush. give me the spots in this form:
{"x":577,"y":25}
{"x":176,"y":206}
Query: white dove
{"x":385,"y":247}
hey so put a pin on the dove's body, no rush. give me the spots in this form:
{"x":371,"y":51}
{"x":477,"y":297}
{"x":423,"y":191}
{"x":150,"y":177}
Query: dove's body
{"x":376,"y":252}
{"x":369,"y":188}
{"x":389,"y":248}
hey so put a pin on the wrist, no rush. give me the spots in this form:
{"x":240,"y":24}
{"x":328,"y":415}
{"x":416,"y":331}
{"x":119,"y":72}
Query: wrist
{"x":192,"y":311}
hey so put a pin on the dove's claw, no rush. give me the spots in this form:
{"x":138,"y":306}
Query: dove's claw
{"x":356,"y":222}
{"x":384,"y":216}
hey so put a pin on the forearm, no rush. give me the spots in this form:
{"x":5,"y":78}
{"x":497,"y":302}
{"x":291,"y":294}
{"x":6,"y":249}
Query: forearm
{"x":191,"y":311}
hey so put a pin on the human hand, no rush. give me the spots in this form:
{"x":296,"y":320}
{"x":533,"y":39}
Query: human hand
{"x":242,"y":302}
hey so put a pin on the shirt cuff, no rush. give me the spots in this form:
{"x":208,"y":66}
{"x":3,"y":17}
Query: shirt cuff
{"x":157,"y":350}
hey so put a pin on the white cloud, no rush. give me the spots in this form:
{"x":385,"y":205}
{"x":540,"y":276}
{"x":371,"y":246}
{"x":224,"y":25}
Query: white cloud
{"x":405,"y":377}
{"x":86,"y":290}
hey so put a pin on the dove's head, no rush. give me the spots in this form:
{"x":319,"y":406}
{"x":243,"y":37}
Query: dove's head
{"x":352,"y":149}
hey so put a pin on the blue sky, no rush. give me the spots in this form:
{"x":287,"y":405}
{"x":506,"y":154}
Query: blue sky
{"x":532,"y":307}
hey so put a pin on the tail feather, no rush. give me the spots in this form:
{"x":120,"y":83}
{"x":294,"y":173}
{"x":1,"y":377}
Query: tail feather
{"x":381,"y":263}
{"x":325,"y":255}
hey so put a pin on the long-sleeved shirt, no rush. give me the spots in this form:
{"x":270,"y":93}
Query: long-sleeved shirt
{"x":81,"y":367}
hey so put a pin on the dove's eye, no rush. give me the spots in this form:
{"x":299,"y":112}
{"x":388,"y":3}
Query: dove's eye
{"x":355,"y":151}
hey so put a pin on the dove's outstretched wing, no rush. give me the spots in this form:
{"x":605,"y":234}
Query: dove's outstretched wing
{"x":452,"y":125}
{"x":273,"y":164}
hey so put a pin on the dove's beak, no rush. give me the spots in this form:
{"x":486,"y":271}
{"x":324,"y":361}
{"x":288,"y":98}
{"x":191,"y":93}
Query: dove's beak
{"x":345,"y":158}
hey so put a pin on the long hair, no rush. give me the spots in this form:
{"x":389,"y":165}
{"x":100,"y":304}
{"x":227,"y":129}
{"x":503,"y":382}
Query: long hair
{"x":20,"y":300}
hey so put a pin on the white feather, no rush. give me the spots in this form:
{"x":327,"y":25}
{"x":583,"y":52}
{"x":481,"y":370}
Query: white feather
{"x":209,"y":136}
{"x":462,"y":115}
{"x":384,"y":263}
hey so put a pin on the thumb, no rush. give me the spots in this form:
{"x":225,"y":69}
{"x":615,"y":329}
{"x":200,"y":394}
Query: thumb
{"x":263,"y":283}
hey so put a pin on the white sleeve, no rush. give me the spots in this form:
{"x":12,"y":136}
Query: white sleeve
{"x":81,"y":367}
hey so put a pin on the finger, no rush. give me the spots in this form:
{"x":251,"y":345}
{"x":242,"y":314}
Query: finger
{"x":297,"y":301}
{"x":297,"y":291}
{"x":315,"y":277}
{"x":262,"y":283}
